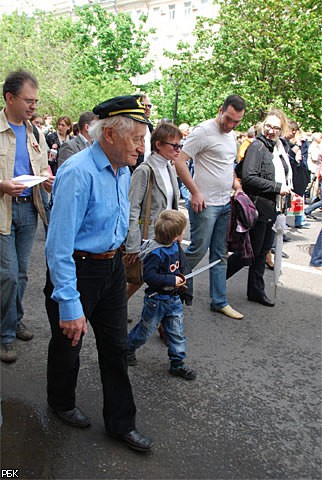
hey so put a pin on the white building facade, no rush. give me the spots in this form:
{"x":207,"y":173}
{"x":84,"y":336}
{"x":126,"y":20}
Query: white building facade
{"x":172,"y":20}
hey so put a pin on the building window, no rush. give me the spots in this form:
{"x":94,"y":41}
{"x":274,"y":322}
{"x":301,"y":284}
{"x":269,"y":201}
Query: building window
{"x":172,"y":12}
{"x":187,"y":9}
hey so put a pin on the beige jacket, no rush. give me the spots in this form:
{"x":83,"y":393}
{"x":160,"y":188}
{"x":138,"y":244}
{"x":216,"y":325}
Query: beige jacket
{"x":39,"y":165}
{"x":138,"y":196}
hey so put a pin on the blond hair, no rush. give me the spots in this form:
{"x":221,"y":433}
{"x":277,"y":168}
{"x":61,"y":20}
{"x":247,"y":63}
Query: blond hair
{"x":169,"y":225}
{"x":283,"y":118}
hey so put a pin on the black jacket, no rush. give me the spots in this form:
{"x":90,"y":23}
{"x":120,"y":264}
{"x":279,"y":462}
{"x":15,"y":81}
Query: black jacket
{"x":51,"y":139}
{"x":258,"y":177}
{"x":301,"y":173}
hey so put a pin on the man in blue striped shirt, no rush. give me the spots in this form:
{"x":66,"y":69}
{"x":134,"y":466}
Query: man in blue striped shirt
{"x":86,"y":280}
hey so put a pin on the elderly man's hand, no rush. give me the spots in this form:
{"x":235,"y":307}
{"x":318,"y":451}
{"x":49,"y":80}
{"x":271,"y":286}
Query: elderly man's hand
{"x":74,"y":329}
{"x":197,"y":202}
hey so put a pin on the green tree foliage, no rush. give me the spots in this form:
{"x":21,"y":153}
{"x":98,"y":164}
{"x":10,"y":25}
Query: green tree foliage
{"x":39,"y":44}
{"x":268,"y":51}
{"x":79,"y":62}
{"x":108,"y":44}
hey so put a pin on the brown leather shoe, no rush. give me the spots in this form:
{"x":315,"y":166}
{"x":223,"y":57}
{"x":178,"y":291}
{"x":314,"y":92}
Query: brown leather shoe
{"x":23,"y":333}
{"x":8,"y":353}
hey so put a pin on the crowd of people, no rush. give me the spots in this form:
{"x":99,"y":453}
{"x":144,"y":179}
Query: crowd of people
{"x":108,"y":196}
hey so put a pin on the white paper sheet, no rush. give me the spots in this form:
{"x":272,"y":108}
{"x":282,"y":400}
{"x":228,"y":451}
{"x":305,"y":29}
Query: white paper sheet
{"x":29,"y":180}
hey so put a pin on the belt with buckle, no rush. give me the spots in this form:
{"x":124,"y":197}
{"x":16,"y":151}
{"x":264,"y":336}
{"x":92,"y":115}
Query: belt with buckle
{"x":27,"y":199}
{"x":96,"y":256}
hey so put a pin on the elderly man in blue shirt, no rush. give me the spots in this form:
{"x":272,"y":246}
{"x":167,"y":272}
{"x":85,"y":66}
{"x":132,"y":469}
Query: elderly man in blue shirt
{"x":86,"y":279}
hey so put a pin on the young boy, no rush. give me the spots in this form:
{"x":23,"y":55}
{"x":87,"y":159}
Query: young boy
{"x":162,"y":304}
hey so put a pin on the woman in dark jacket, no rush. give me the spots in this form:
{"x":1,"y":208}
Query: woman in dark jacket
{"x":266,"y":176}
{"x":56,"y":139}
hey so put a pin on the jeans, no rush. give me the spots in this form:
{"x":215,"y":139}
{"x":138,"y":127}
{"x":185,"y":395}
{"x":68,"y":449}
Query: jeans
{"x":209,"y":230}
{"x":316,"y":258}
{"x":184,"y":192}
{"x":169,"y":312}
{"x":102,"y":288}
{"x":313,"y":207}
{"x":15,"y":257}
{"x":299,"y":220}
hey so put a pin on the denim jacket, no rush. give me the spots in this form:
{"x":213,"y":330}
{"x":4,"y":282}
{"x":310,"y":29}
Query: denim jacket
{"x":38,"y":161}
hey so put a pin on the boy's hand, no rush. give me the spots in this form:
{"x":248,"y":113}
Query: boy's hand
{"x":180,"y":280}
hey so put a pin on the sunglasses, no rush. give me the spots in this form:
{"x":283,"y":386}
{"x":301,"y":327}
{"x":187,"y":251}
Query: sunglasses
{"x":148,"y":105}
{"x":176,"y":146}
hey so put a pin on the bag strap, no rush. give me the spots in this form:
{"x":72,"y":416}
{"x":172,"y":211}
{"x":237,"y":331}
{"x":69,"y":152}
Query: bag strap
{"x":148,"y":206}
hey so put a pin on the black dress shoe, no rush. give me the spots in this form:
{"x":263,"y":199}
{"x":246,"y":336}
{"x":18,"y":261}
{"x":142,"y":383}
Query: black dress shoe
{"x":74,"y":417}
{"x":263,"y":300}
{"x":134,"y":439}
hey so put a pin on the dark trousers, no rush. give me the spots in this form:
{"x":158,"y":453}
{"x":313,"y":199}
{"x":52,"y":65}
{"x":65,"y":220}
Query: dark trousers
{"x":101,"y":284}
{"x":261,"y":236}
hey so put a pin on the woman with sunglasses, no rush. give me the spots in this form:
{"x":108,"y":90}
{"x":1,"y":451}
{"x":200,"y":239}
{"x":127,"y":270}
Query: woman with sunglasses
{"x":266,"y":177}
{"x":165,"y":148}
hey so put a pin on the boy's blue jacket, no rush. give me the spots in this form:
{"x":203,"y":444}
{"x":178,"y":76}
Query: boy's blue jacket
{"x":161,"y":264}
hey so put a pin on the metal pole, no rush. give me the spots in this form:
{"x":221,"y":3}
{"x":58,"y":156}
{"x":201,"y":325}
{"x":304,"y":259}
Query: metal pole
{"x":175,"y":108}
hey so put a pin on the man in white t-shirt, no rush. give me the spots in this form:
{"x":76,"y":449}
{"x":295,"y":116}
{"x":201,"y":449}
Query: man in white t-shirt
{"x":212,"y":145}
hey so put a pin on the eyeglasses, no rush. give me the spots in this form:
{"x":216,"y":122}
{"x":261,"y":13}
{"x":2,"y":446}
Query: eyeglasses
{"x":176,"y":146}
{"x":270,"y":127}
{"x":148,"y":105}
{"x":28,"y":101}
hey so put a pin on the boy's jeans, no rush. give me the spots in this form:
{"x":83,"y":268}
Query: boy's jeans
{"x":169,"y":312}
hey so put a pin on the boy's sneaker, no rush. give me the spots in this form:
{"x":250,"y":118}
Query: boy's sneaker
{"x":23,"y":333}
{"x":8,"y":353}
{"x":183,"y":371}
{"x":131,"y":358}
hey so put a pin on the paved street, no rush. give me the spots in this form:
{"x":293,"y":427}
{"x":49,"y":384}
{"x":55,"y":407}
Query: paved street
{"x":252,"y":413}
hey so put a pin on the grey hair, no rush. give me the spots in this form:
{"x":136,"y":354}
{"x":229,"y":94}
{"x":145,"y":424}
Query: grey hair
{"x":119,"y":122}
